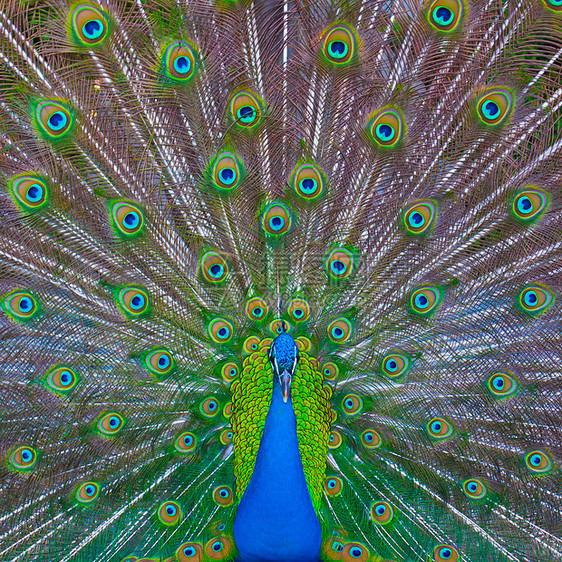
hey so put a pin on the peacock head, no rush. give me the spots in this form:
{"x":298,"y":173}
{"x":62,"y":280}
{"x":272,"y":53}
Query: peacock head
{"x":283,"y":356}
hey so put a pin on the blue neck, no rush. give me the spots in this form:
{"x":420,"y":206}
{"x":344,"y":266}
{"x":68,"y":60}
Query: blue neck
{"x":276,"y":520}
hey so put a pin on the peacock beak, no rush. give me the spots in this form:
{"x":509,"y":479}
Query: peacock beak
{"x":285,"y":380}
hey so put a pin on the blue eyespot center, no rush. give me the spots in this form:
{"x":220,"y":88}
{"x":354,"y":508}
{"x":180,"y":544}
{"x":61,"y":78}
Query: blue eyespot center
{"x":337,"y":332}
{"x":443,"y":15}
{"x":188,"y":440}
{"x":217,"y":546}
{"x":113,"y":422}
{"x":247,"y":114}
{"x":34,"y":193}
{"x":25,"y":304}
{"x":491,"y":109}
{"x":531,"y":298}
{"x":26,"y":455}
{"x":472,"y":487}
{"x":171,"y":510}
{"x":223,"y":494}
{"x":446,"y":553}
{"x":212,"y":405}
{"x":337,"y":266}
{"x":276,"y":223}
{"x":216,"y":270}
{"x":499,"y":383}
{"x":337,"y":49}
{"x":258,"y":311}
{"x":369,"y":437}
{"x":525,"y":205}
{"x":89,"y":490}
{"x":227,"y":175}
{"x":422,"y":301}
{"x":131,"y":220}
{"x":416,"y":219}
{"x":337,"y":546}
{"x":92,"y":29}
{"x":189,"y":551}
{"x":436,"y":426}
{"x":392,"y":365}
{"x":223,"y":332}
{"x":182,"y":65}
{"x":384,"y":131}
{"x":308,"y":185}
{"x":536,"y":460}
{"x":57,"y":121}
{"x":137,"y":302}
{"x":356,"y":552}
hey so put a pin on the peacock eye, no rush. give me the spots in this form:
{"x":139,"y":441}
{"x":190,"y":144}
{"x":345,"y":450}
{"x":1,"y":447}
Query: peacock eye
{"x":352,"y":404}
{"x":529,"y":204}
{"x":185,"y":442}
{"x":335,"y":440}
{"x":87,"y":492}
{"x":223,"y":496}
{"x":245,"y":109}
{"x":53,"y":119}
{"x":339,"y":264}
{"x":220,"y":330}
{"x":133,"y":301}
{"x":179,"y":62}
{"x":494,"y":106}
{"x":299,"y":310}
{"x":127,"y":218}
{"x":339,"y":45}
{"x":382,"y":513}
{"x":308,"y":181}
{"x":445,"y":552}
{"x":330,"y":371}
{"x":474,"y":488}
{"x":333,"y":486}
{"x":371,"y":439}
{"x":276,"y":219}
{"x":439,"y":428}
{"x":20,"y":305}
{"x":502,"y":385}
{"x":386,"y":127}
{"x":229,"y":372}
{"x":340,"y":330}
{"x":159,"y":361}
{"x":420,"y":217}
{"x":425,"y":300}
{"x":30,"y":192}
{"x":89,"y":25}
{"x":189,"y":550}
{"x":538,"y":462}
{"x":209,"y":407}
{"x":256,"y":308}
{"x":23,"y":458}
{"x":355,"y":551}
{"x":395,"y":365}
{"x":213,"y":267}
{"x":445,"y":15}
{"x":61,"y":379}
{"x":169,"y":513}
{"x":110,"y":424}
{"x":535,"y":300}
{"x":226,"y":172}
{"x":226,"y":436}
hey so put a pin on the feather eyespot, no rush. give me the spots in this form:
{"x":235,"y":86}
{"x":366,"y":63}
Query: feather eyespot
{"x":529,"y":204}
{"x":89,"y":25}
{"x":190,"y":552}
{"x":251,"y":344}
{"x":226,"y":436}
{"x":169,"y":513}
{"x":439,"y":428}
{"x":185,"y":442}
{"x":299,"y":310}
{"x":355,"y":552}
{"x":223,"y":496}
{"x":395,"y":365}
{"x":382,"y":513}
{"x":308,"y":181}
{"x":425,"y":300}
{"x":256,"y":309}
{"x":445,"y":553}
{"x":278,"y":326}
{"x":330,"y":371}
{"x":128,"y":219}
{"x":339,"y":264}
{"x":87,"y":492}
{"x":474,"y":488}
{"x":53,"y":119}
{"x":535,"y":300}
{"x":133,"y":301}
{"x":386,"y":127}
{"x":61,"y":379}
{"x":340,"y":330}
{"x":180,"y":61}
{"x":339,"y":45}
{"x":220,"y":330}
{"x":218,"y":548}
{"x":304,"y":344}
{"x":445,"y":15}
{"x":494,"y":106}
{"x":229,"y":372}
{"x":555,"y":5}
{"x":371,"y":439}
{"x":110,"y":424}
{"x":333,"y":486}
{"x":209,"y":407}
{"x":23,"y":458}
{"x":352,"y":404}
{"x":213,"y":267}
{"x":20,"y":305}
{"x":538,"y":462}
{"x":30,"y":192}
{"x":276,"y":219}
{"x":245,"y":109}
{"x":334,"y":440}
{"x":502,"y":385}
{"x":159,"y":361}
{"x":227,"y":410}
{"x":420,"y":217}
{"x":226,"y":173}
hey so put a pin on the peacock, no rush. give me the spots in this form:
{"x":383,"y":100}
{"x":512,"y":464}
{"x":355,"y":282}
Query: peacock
{"x":280,"y":280}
